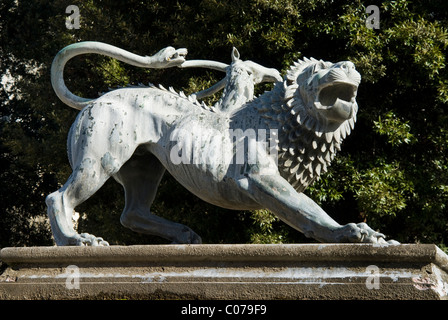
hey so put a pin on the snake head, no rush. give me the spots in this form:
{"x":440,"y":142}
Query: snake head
{"x":168,"y":57}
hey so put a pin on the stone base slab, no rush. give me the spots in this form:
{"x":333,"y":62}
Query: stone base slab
{"x":249,"y":272}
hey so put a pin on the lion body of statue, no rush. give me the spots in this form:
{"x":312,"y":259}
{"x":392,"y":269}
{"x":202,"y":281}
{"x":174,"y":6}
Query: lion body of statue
{"x":242,"y":153}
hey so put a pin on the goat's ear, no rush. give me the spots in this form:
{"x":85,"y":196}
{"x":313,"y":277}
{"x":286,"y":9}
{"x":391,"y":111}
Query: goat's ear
{"x":235,"y":55}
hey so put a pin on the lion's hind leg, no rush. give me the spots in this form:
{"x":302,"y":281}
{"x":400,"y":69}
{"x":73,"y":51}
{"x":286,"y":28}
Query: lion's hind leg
{"x":140,"y":177}
{"x":87,"y":177}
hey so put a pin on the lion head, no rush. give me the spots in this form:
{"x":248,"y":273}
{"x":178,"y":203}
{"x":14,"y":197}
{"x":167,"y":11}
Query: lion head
{"x":314,"y":109}
{"x":327,"y":89}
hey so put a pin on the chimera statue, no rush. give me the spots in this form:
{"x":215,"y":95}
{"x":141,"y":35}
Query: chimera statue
{"x":134,"y":134}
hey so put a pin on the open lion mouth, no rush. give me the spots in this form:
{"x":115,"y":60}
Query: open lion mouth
{"x":343,"y":91}
{"x":336,"y":100}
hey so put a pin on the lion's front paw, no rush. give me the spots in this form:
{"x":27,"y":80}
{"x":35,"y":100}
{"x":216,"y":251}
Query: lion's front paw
{"x":86,"y":239}
{"x":187,"y":236}
{"x":362,"y":233}
{"x":169,"y":57}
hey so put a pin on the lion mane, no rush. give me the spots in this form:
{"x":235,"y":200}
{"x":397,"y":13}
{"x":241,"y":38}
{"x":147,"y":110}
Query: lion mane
{"x":304,"y":110}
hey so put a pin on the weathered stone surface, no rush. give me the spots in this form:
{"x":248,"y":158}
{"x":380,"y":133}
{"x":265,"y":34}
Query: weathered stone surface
{"x":305,"y":271}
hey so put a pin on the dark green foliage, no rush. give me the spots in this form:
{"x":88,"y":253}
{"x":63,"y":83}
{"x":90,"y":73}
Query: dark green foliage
{"x":392,"y":171}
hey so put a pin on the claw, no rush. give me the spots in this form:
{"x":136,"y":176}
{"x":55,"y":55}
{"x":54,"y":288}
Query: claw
{"x":380,"y":235}
{"x":86,"y":239}
{"x":362,"y":233}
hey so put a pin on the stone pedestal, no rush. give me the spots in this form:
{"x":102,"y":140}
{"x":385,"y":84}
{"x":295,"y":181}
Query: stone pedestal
{"x":287,"y":271}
